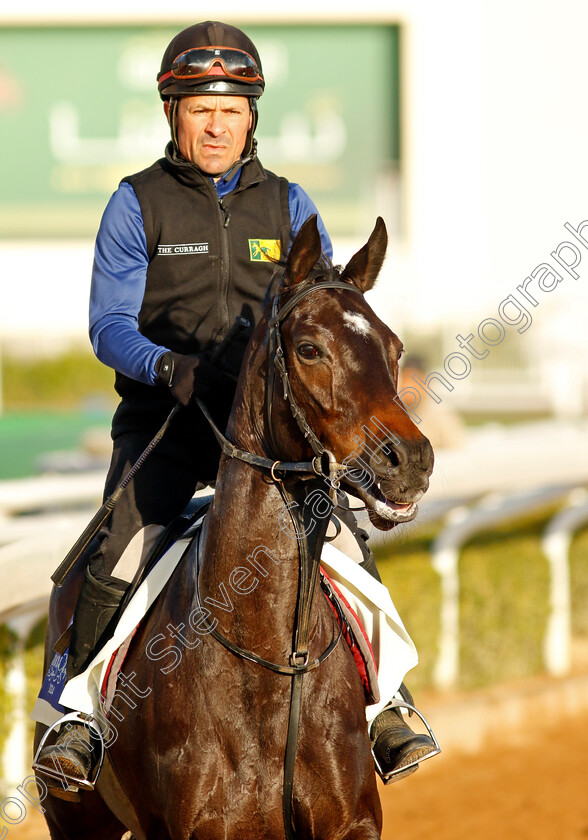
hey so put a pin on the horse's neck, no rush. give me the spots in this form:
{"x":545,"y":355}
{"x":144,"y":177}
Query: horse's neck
{"x":250,"y":558}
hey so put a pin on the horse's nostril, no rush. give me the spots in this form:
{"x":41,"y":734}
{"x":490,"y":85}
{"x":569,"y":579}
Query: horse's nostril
{"x":393,"y":459}
{"x":392,"y":456}
{"x":398,"y":455}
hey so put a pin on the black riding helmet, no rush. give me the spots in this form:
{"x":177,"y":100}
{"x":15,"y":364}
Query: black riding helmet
{"x":211,"y":58}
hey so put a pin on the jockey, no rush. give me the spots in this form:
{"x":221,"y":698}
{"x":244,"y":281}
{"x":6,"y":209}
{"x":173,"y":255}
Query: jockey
{"x":182,"y":250}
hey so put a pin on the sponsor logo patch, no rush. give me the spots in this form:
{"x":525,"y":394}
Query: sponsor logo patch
{"x":264,"y":250}
{"x":186,"y":248}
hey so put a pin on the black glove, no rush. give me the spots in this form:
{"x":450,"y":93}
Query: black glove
{"x":189,"y":376}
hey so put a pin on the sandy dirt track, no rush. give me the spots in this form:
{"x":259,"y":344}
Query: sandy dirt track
{"x":531,"y":790}
{"x":531,"y":786}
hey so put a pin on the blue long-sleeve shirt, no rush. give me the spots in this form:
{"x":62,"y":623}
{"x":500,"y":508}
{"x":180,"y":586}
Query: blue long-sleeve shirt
{"x":120,"y":271}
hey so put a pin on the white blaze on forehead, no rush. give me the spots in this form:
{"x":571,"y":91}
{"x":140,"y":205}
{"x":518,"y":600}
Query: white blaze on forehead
{"x":357,"y":322}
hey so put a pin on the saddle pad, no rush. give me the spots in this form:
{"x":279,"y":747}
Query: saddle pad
{"x":47,"y":708}
{"x":83,"y":691}
{"x":394,"y":650}
{"x":113,"y":670}
{"x":354,"y":634}
{"x":57,"y":697}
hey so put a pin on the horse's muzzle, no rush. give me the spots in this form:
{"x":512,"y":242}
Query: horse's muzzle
{"x":396,"y":477}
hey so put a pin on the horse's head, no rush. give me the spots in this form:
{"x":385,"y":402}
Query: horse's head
{"x":341,"y":370}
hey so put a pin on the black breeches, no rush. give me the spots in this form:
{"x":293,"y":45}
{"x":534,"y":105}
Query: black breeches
{"x":158,"y":493}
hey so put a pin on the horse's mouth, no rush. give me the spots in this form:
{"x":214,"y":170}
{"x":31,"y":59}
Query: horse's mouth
{"x":385,"y":512}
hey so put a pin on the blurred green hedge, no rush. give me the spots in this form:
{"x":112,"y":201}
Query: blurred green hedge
{"x":58,"y":382}
{"x":504,"y":591}
{"x":7,"y":649}
{"x":579,"y":585}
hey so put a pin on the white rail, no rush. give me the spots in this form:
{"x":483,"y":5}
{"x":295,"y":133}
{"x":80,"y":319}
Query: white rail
{"x":50,"y":491}
{"x":445,"y":559}
{"x":556,"y":544}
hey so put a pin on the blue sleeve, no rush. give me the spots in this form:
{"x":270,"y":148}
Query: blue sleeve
{"x":301,"y":207}
{"x":118,"y":285}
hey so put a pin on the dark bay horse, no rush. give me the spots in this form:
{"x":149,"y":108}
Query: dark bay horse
{"x":241,"y":717}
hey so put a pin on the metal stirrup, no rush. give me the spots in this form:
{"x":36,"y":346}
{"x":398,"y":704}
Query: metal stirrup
{"x":396,"y":703}
{"x":73,"y":783}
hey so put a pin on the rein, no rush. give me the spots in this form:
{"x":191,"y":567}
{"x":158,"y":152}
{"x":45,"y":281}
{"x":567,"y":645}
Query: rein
{"x":320,"y":466}
{"x":324,"y":466}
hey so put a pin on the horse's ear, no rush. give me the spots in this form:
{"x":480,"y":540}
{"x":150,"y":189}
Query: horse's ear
{"x":304,"y":253}
{"x":364,"y":267}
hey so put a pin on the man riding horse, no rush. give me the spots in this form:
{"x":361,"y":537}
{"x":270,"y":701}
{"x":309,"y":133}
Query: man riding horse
{"x":181,"y":252}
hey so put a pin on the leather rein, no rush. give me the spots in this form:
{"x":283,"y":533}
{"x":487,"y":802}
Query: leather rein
{"x":323,"y":466}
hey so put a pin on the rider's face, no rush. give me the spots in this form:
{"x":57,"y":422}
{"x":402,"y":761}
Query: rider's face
{"x":212,"y":130}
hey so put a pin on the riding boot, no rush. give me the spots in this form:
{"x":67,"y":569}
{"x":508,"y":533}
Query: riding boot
{"x":72,"y":757}
{"x":92,"y":627}
{"x":397,"y":750}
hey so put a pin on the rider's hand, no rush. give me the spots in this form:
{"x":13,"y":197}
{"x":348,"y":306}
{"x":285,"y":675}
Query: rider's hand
{"x":188,"y":376}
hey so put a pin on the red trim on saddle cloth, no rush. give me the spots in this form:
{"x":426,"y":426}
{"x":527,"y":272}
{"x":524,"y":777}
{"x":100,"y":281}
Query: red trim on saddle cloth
{"x":359,"y":644}
{"x":113,"y":670}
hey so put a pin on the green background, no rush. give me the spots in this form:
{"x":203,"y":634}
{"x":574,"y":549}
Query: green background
{"x":79,"y":109}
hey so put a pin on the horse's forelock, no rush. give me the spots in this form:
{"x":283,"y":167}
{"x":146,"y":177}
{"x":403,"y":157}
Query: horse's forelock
{"x":323,"y":271}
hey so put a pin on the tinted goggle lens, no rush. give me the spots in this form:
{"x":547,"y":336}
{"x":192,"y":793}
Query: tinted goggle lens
{"x":200,"y":62}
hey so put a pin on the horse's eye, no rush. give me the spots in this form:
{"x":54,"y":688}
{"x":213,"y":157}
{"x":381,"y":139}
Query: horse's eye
{"x":307,"y":351}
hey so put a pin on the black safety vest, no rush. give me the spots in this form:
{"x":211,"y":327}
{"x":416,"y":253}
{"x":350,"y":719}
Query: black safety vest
{"x":207,"y":256}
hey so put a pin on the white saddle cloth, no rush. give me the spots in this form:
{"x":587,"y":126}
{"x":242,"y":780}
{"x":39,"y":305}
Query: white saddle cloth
{"x":394,"y":651}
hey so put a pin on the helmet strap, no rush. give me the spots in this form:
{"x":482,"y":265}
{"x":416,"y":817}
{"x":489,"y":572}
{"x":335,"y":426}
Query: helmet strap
{"x":239,"y":163}
{"x":173,"y":120}
{"x":250,"y":150}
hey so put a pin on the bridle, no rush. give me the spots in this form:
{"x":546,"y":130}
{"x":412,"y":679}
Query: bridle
{"x":324,"y":463}
{"x":323,"y":466}
{"x":276,"y":361}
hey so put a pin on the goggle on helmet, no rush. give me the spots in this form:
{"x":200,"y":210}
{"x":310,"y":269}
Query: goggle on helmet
{"x":211,"y":58}
{"x":212,"y":69}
